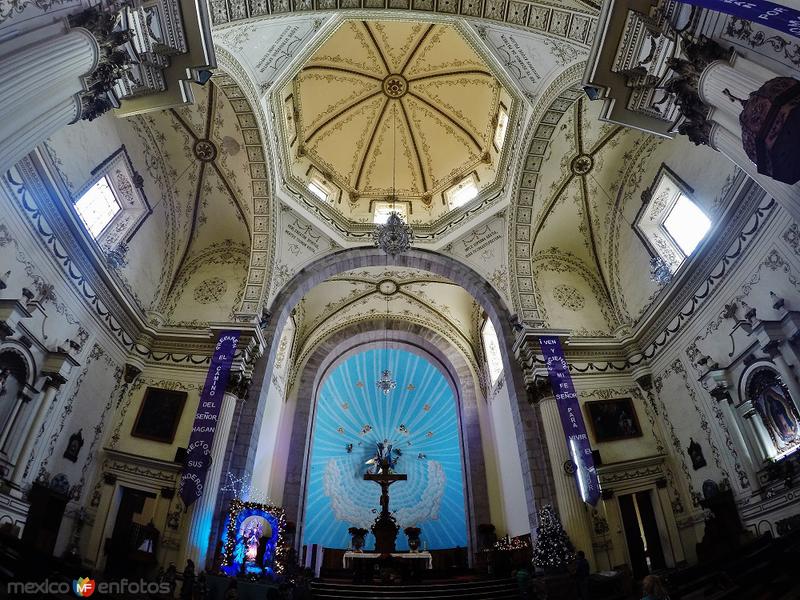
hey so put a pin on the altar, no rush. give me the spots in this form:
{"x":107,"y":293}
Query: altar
{"x":349,"y":557}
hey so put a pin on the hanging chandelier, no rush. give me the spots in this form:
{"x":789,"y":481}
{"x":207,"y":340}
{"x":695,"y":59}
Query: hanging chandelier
{"x":395,"y":236}
{"x":660,"y":272}
{"x":386,"y":384}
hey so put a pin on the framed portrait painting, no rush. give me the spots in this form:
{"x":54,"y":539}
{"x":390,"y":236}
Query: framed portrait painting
{"x":159,"y":415}
{"x":613,"y":419}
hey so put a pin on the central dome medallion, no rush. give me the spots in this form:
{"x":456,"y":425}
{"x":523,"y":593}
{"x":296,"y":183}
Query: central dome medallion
{"x":419,"y":86}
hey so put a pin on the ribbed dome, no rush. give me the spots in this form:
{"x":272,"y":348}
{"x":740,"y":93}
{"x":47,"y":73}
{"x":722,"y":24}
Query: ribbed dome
{"x":420,"y":86}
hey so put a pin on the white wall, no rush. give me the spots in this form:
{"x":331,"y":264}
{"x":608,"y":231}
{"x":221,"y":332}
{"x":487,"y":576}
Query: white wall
{"x":513,"y":519}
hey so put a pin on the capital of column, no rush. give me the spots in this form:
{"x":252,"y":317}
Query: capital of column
{"x":539,"y":389}
{"x":747,"y":410}
{"x":527,"y":351}
{"x":238,"y":385}
{"x":721,"y":393}
{"x":131,"y":373}
{"x":772,"y":347}
{"x":645,"y":381}
{"x":111,"y":63}
{"x":54,"y":381}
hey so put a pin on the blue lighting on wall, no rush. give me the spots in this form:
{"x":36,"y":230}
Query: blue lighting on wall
{"x":419,"y":418}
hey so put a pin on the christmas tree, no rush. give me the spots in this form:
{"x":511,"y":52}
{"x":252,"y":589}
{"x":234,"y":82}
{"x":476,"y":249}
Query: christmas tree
{"x":553,"y":551}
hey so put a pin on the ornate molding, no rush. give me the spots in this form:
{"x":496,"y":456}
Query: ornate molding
{"x":545,"y":18}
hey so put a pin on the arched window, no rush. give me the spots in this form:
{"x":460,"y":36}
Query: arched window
{"x":97,"y":207}
{"x":670,"y":222}
{"x":774,"y":405}
{"x":491,"y":350}
{"x":112,"y":206}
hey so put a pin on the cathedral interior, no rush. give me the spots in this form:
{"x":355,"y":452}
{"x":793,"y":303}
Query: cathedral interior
{"x":348,"y":298}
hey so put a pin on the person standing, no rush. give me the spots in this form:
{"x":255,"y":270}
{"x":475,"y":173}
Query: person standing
{"x":187,"y":588}
{"x":582,"y":571}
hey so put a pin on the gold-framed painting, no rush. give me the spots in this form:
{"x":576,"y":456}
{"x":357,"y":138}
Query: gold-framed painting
{"x":613,"y":419}
{"x":159,"y":415}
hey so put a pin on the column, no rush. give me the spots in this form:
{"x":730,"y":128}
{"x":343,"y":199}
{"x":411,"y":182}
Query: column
{"x":759,"y":433}
{"x":40,"y":77}
{"x":721,"y":84}
{"x":730,"y":145}
{"x":51,"y":386}
{"x":735,"y":428}
{"x":571,"y":508}
{"x":22,"y":399}
{"x":198,"y":541}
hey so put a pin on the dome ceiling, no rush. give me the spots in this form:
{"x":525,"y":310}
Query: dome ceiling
{"x":373,"y":85}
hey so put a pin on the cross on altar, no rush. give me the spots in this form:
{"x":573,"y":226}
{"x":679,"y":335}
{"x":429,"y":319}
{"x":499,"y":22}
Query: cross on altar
{"x":385,"y":479}
{"x":385,"y":527}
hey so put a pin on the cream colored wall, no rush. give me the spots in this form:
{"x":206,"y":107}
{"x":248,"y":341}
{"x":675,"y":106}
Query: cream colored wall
{"x":268,"y":447}
{"x":190,"y":381}
{"x":490,"y":460}
{"x":514,"y":519}
{"x":81,"y":148}
{"x":707,"y":172}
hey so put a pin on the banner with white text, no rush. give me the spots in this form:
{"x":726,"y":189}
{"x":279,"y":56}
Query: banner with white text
{"x":198,"y":453}
{"x":569,"y":410}
{"x":769,"y":14}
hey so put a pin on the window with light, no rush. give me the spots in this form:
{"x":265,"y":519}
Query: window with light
{"x":687,"y":224}
{"x":491,"y":349}
{"x":382,"y":210}
{"x":315,"y":188}
{"x":464,"y":191}
{"x":501,"y":128}
{"x":97,"y":207}
{"x":670,"y":223}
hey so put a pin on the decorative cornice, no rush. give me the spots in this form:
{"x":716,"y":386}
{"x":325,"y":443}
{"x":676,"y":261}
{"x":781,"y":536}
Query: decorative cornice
{"x":575,"y":26}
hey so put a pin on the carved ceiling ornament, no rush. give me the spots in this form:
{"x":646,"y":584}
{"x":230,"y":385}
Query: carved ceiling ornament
{"x":210,"y":290}
{"x":569,"y":297}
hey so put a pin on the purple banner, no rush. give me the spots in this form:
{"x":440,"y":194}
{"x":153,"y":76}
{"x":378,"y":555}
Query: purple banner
{"x":571,"y":419}
{"x":198,"y":454}
{"x":769,"y":14}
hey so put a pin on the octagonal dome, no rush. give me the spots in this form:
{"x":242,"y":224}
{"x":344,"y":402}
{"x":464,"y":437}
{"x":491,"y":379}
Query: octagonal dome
{"x":395,"y":104}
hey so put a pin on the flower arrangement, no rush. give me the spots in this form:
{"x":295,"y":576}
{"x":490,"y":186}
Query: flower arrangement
{"x":413,"y":537}
{"x":358,"y":534}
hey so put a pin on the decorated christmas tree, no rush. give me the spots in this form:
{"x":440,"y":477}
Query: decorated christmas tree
{"x":553,"y":551}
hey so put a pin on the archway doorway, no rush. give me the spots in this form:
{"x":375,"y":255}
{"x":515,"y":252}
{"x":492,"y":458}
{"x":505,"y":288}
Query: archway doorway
{"x":527,"y":427}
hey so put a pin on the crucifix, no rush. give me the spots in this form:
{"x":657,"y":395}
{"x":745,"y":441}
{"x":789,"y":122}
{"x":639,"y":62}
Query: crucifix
{"x":385,"y":479}
{"x":385,"y":528}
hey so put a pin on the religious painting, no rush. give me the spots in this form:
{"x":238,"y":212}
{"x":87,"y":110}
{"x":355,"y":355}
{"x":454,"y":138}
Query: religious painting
{"x":613,"y":419}
{"x":772,"y":402}
{"x":74,"y":446}
{"x":159,"y":415}
{"x":695,"y":452}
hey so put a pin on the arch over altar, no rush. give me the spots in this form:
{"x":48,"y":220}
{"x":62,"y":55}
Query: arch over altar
{"x":538,"y":485}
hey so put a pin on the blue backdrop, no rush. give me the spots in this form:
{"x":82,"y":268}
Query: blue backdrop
{"x":419,"y":418}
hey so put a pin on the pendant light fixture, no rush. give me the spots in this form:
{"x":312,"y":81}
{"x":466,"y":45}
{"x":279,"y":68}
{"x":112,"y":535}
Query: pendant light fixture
{"x":386,"y":384}
{"x":395,"y":236}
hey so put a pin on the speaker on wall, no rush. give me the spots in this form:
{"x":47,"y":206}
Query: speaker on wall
{"x":180,"y":456}
{"x":596,"y":458}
